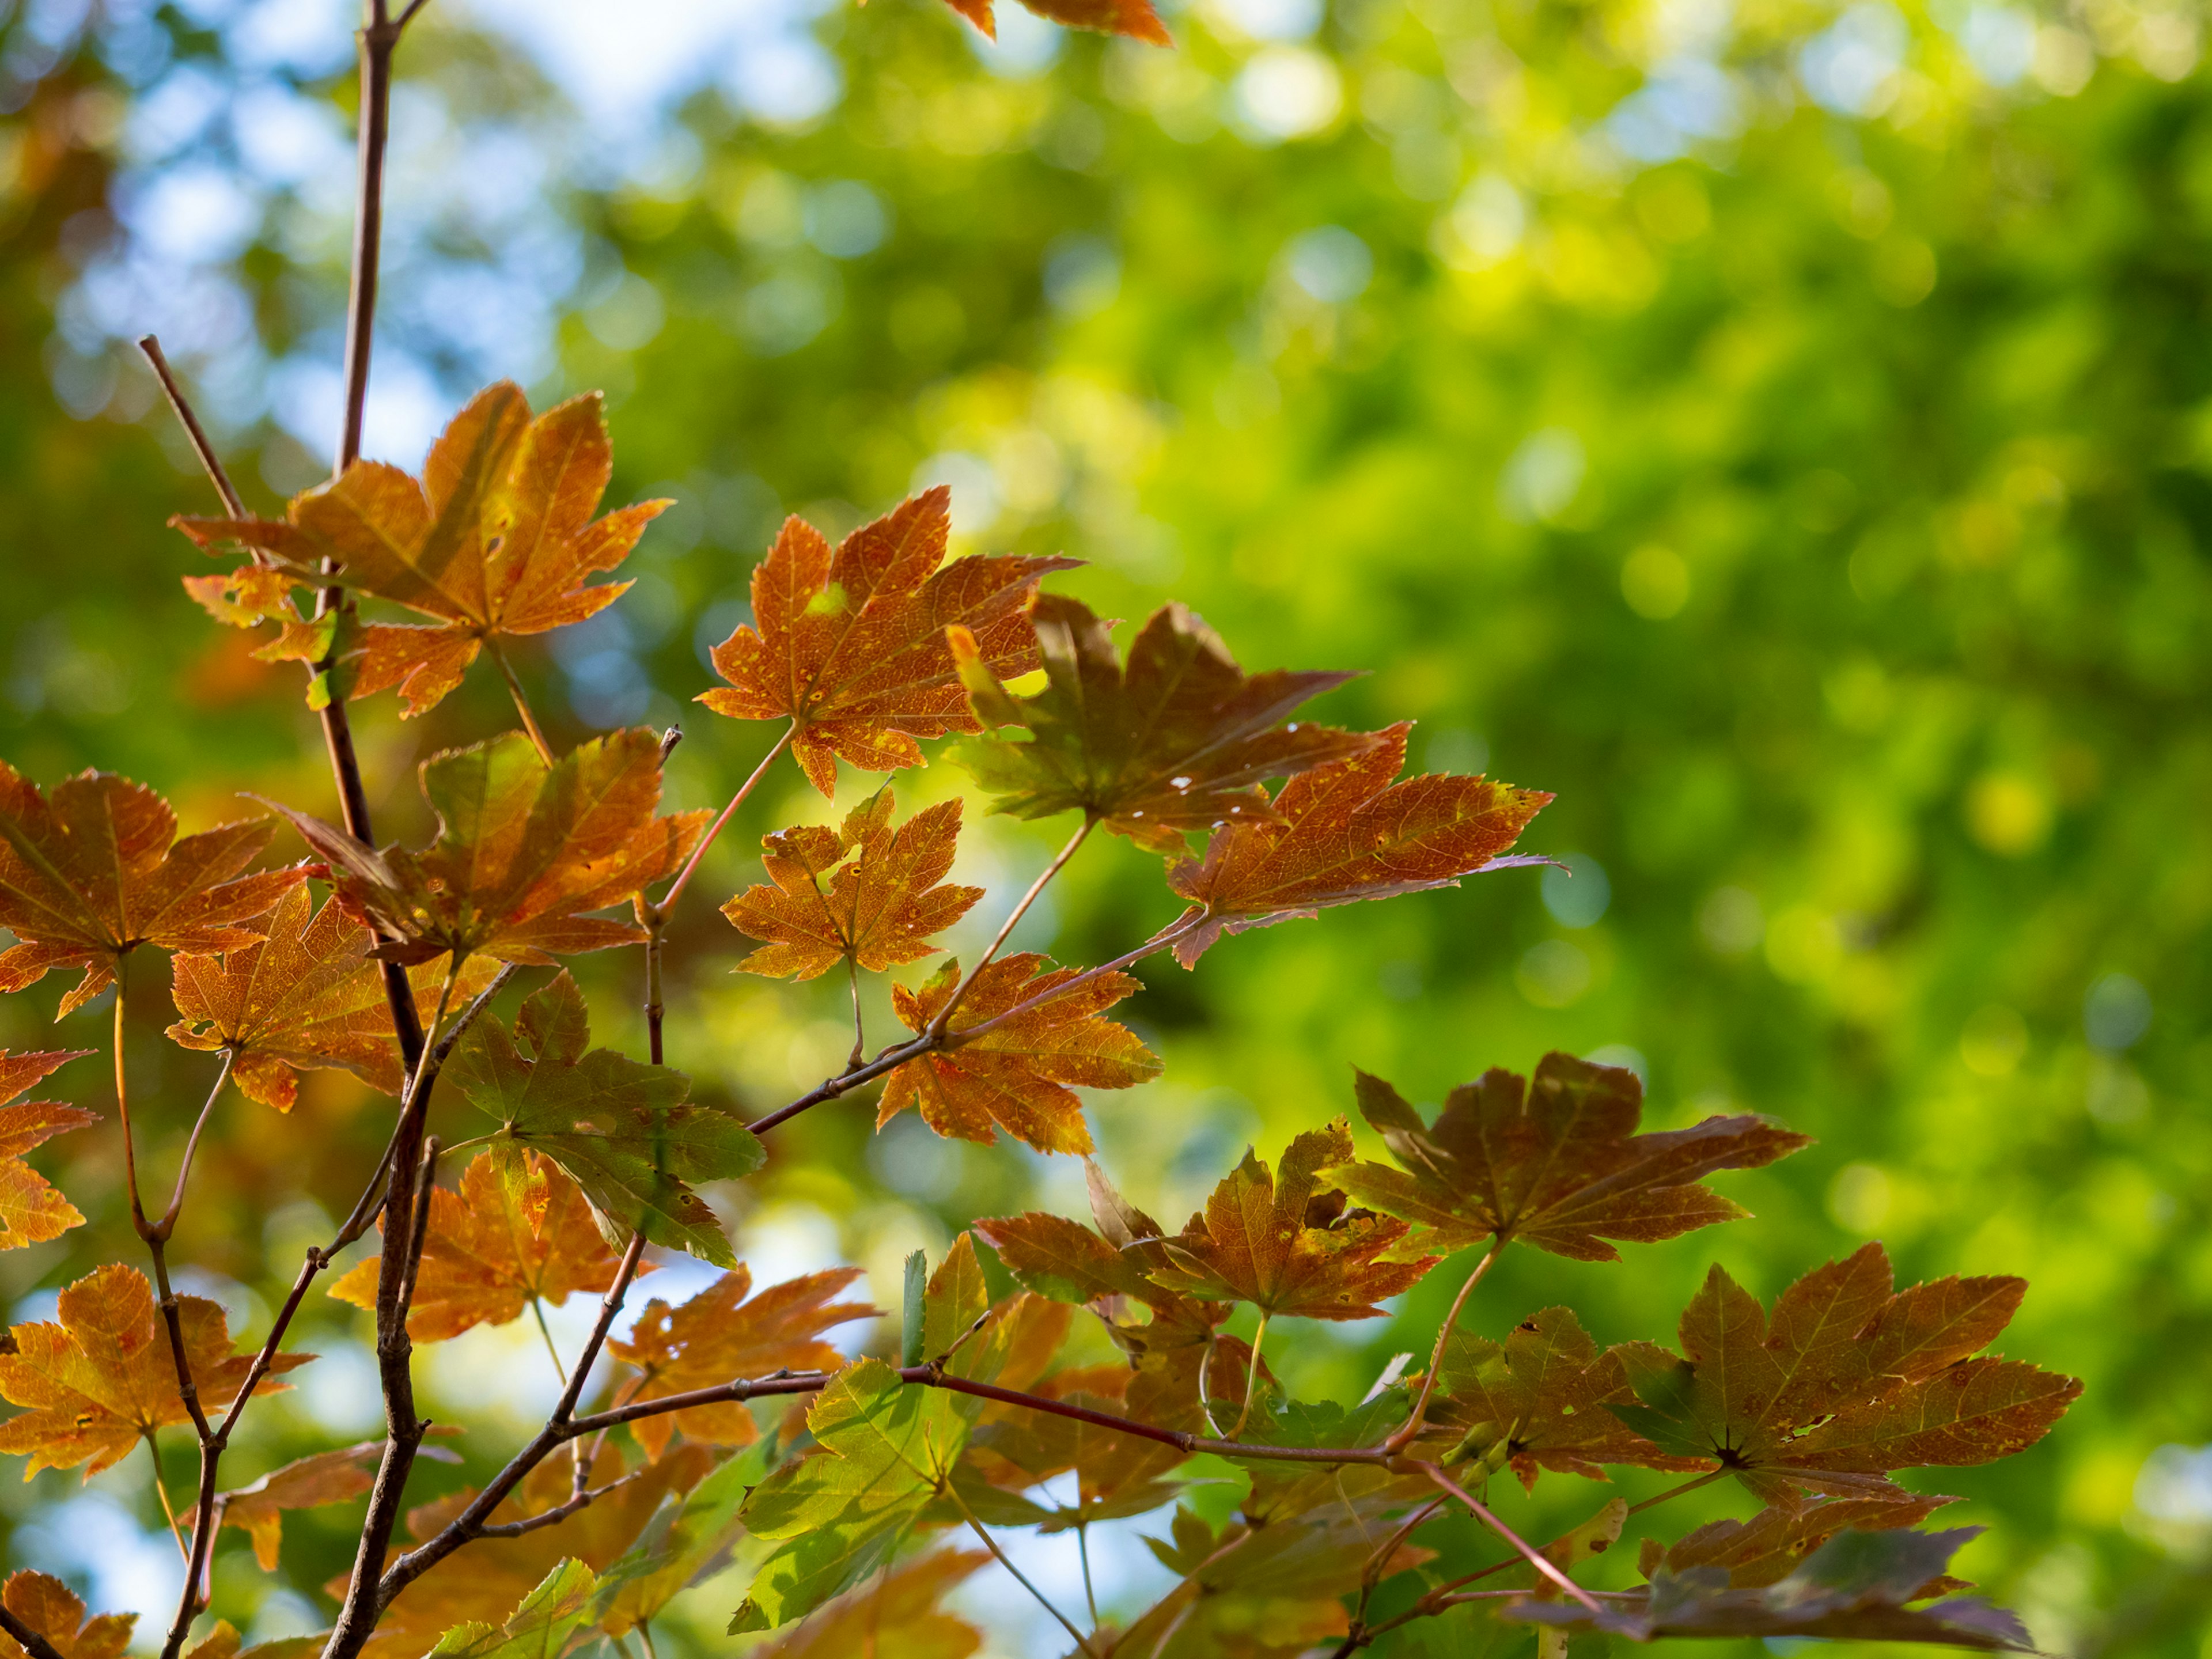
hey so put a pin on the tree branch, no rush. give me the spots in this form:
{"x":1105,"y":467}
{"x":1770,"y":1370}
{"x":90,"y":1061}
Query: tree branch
{"x":209,"y":462}
{"x":33,"y":1643}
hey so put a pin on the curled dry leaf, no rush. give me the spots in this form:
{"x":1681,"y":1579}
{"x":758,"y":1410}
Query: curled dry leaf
{"x":1344,"y":832}
{"x":90,"y":874}
{"x":495,"y":539}
{"x":1178,"y":739}
{"x":1558,"y":1164}
{"x":524,"y":850}
{"x":1022,"y":1076}
{"x":31,"y":1210}
{"x":1285,"y":1243}
{"x":863,"y":893}
{"x":1844,"y":1383}
{"x":850,"y":645}
{"x":102,"y":1377}
{"x":306,"y":996}
{"x":513,"y":1234}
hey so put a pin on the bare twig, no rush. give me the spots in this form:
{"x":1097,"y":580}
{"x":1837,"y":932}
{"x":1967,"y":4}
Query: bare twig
{"x":1406,"y":1431}
{"x":232,"y":503}
{"x":554,"y":1517}
{"x":33,"y":1643}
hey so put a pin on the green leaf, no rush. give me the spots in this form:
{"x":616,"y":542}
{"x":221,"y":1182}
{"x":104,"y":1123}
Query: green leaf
{"x":955,"y":1300}
{"x":914,"y":1312}
{"x":686,"y":1537}
{"x":620,"y":1129}
{"x":538,"y":1629}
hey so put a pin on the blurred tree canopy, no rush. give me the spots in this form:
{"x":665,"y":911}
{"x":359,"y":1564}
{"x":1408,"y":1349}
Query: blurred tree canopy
{"x":1783,"y":431}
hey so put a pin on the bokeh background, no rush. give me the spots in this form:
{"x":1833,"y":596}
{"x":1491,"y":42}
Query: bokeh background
{"x":1785,"y":431}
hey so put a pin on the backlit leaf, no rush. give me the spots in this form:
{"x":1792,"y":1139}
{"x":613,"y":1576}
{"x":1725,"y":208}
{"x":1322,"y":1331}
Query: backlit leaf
{"x":90,"y":874}
{"x":1345,"y":832}
{"x":1285,"y":1243}
{"x":31,"y":1210}
{"x":1559,"y":1165}
{"x":620,"y":1129}
{"x":721,"y":1333}
{"x":1022,"y":1076}
{"x":1769,"y":1547}
{"x":863,"y":893}
{"x":1845,"y":1383}
{"x":895,"y":1615}
{"x":523,"y":851}
{"x":850,"y":646}
{"x":688,"y":1536}
{"x":1179,"y":739}
{"x":102,"y":1377}
{"x":538,"y":1628}
{"x":495,"y":539}
{"x":494,"y":1246}
{"x":330,"y":1477}
{"x":306,"y":996}
{"x":52,"y":1609}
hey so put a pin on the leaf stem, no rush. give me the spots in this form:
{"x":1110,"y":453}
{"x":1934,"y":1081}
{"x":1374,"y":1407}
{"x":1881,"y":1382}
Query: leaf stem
{"x":1529,"y":1554}
{"x":168,"y":1224}
{"x":943,"y":1020}
{"x":122,"y":1108}
{"x":1251,"y":1377}
{"x":1411,"y":1427}
{"x":162,"y":1491}
{"x":537,"y":1306}
{"x":854,"y":1060}
{"x":1676,"y":1492}
{"x":232,"y":503}
{"x":683,"y":876}
{"x":1082,"y":1642}
{"x":521,"y":698}
{"x":1083,"y":1550}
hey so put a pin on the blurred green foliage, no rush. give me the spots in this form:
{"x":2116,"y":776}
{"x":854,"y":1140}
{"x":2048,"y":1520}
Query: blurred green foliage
{"x":1815,"y":498}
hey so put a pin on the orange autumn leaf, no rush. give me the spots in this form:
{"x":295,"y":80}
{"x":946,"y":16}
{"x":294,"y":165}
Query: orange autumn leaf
{"x":895,"y":1615}
{"x":102,"y":1378}
{"x":90,"y":874}
{"x":1134,"y":18}
{"x":523,"y":851}
{"x":493,"y":1248}
{"x":31,"y":1211}
{"x":884,"y":895}
{"x":1345,"y":832}
{"x":1283,"y":1242}
{"x":850,"y":645}
{"x":1022,"y":1076}
{"x":331,"y":1477}
{"x":495,"y":539}
{"x":1178,"y":739}
{"x":720,"y":1335}
{"x":55,"y":1611}
{"x":307,"y":996}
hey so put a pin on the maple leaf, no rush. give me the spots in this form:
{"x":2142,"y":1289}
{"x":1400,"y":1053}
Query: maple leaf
{"x":523,"y":850}
{"x":1179,"y":739}
{"x":1344,"y":832}
{"x":103,"y":1378}
{"x":495,"y":1247}
{"x":96,"y":871}
{"x":1559,"y":1165}
{"x":1117,"y":1474}
{"x":620,"y":1130}
{"x":538,"y":1628}
{"x":720,"y":1334}
{"x":1845,"y":1383}
{"x":689,"y":1535}
{"x":496,"y":540}
{"x":886,"y":892}
{"x":1533,"y":1401}
{"x":1134,"y":18}
{"x":850,"y":646}
{"x":306,"y":996}
{"x":482,"y":1583}
{"x":895,"y":1612}
{"x":1854,"y":1586}
{"x":31,"y":1210}
{"x":1021,"y":1076}
{"x":1287,"y":1244}
{"x":55,"y":1611}
{"x":308,"y":1483}
{"x":223,"y":1640}
{"x":1768,"y":1547}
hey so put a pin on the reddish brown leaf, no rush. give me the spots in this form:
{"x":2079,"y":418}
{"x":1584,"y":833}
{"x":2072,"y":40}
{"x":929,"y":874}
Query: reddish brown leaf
{"x":1022,"y":1076}
{"x":90,"y":875}
{"x":1285,"y":1242}
{"x":850,"y":647}
{"x":31,"y":1211}
{"x":1769,"y":1547}
{"x":1844,"y":1383}
{"x":1178,"y":739}
{"x":1560,"y":1166}
{"x":103,"y":1378}
{"x":306,"y":996}
{"x":1536,"y":1401}
{"x":1345,"y":832}
{"x":495,"y":1247}
{"x":52,"y":1609}
{"x":495,"y":539}
{"x":884,"y":895}
{"x":523,"y":851}
{"x":720,"y":1335}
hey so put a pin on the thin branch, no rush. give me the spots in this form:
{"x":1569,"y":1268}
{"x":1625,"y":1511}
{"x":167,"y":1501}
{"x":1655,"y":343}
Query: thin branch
{"x":1675,"y":1491}
{"x":1083,"y":1550}
{"x":1406,"y":1431}
{"x":33,"y":1643}
{"x":554,"y":1517}
{"x":418,"y":1234}
{"x":212,"y":463}
{"x":521,"y":699}
{"x":1082,"y":1642}
{"x":683,"y":876}
{"x":1542,"y":1563}
{"x":943,"y":1022}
